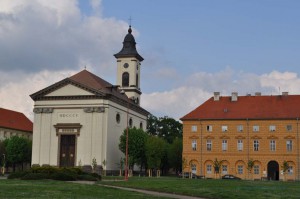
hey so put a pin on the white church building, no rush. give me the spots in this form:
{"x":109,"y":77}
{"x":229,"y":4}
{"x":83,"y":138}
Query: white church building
{"x":83,"y":116}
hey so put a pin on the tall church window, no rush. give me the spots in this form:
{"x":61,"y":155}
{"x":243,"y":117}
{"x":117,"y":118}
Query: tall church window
{"x":137,"y":81}
{"x":125,"y":79}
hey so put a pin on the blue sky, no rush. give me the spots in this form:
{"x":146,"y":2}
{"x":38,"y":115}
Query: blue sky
{"x":191,"y":48}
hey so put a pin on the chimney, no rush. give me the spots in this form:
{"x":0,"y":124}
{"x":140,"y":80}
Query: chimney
{"x":216,"y":96}
{"x":257,"y":93}
{"x":285,"y":93}
{"x":234,"y":96}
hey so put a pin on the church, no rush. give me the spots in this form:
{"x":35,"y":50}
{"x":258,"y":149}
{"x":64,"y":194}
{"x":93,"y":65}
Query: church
{"x":81,"y":118}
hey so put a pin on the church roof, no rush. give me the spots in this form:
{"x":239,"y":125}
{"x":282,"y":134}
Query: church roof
{"x":15,"y":120}
{"x":129,"y":48}
{"x":248,"y":107}
{"x":98,"y":87}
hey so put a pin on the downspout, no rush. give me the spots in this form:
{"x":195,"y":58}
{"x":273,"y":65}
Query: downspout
{"x":248,"y":148}
{"x":298,"y":157}
{"x":201,"y":165}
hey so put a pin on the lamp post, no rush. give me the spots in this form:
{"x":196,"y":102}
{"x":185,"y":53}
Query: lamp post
{"x":126,"y":149}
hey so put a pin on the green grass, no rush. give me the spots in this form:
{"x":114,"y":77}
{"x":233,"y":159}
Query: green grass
{"x":57,"y":189}
{"x":215,"y":188}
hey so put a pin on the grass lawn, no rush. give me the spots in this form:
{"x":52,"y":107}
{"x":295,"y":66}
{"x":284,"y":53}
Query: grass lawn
{"x":57,"y":189}
{"x":215,"y":188}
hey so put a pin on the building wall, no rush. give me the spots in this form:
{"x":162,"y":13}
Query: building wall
{"x":7,"y":133}
{"x":234,"y":158}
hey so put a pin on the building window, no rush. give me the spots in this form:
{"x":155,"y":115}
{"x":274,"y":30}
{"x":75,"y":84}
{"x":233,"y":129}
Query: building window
{"x":240,"y":169}
{"x":224,"y":169}
{"x":194,"y":145}
{"x":224,"y":128}
{"x":240,"y":128}
{"x":256,"y":145}
{"x":194,"y":168}
{"x":290,"y":170}
{"x":272,"y":145}
{"x":256,"y":169}
{"x":209,"y":128}
{"x":240,"y":145}
{"x":289,"y":145}
{"x":289,"y":127}
{"x":208,"y":145}
{"x":141,"y":125}
{"x":272,"y":128}
{"x":224,"y":145}
{"x":194,"y":128}
{"x":208,"y":168}
{"x":118,"y":118}
{"x":255,"y":128}
{"x":130,"y":122}
{"x":125,"y":79}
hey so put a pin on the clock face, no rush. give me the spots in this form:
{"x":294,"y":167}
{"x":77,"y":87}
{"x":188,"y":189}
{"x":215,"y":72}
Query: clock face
{"x":126,"y":65}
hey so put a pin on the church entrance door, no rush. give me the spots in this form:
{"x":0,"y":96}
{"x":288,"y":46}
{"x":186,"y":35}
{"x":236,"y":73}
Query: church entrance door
{"x":67,"y":150}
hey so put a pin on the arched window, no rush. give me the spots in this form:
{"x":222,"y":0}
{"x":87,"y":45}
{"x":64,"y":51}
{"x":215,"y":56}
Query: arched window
{"x":125,"y":79}
{"x":130,"y":122}
{"x":137,"y":81}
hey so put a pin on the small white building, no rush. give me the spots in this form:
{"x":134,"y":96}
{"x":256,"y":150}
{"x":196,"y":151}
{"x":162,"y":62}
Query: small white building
{"x":82,"y":117}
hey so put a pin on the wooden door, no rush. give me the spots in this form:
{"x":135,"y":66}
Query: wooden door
{"x":67,"y":150}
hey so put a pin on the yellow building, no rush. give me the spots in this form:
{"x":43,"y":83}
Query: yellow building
{"x":237,"y":130}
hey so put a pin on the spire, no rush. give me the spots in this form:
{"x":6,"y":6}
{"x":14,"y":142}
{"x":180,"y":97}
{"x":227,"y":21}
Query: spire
{"x":129,"y":48}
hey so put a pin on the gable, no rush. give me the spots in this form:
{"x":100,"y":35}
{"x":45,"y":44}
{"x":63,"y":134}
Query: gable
{"x":69,"y":90}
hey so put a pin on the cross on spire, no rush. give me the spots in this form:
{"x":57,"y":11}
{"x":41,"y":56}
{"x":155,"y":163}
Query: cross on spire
{"x":130,"y":19}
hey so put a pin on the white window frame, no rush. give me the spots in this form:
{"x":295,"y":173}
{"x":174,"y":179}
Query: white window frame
{"x":194,"y":145}
{"x":224,"y":145}
{"x":272,"y":145}
{"x":209,"y":128}
{"x":255,"y":128}
{"x":272,"y":128}
{"x":290,"y":170}
{"x":289,"y":145}
{"x":224,"y":128}
{"x":208,"y":145}
{"x":194,"y":128}
{"x":240,"y":169}
{"x":224,"y":169}
{"x":256,"y":169}
{"x":209,"y":168}
{"x":256,"y":145}
{"x":194,"y":168}
{"x":240,"y":145}
{"x":240,"y":128}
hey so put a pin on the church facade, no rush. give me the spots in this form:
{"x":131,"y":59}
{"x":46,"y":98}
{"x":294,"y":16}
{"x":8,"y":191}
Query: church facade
{"x":82,"y":117}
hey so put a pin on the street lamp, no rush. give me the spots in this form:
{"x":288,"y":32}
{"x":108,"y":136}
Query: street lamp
{"x":126,"y":150}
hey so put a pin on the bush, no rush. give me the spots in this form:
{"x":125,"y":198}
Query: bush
{"x":18,"y":175}
{"x":63,"y":176}
{"x":35,"y":176}
{"x":96,"y":175}
{"x":87,"y":177}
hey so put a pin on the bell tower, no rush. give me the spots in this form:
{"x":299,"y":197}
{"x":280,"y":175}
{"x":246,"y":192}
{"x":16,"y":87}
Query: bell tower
{"x":129,"y":65}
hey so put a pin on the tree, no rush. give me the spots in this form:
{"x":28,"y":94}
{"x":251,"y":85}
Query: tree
{"x":164,"y":127}
{"x":155,"y":151}
{"x":136,"y":146}
{"x":175,"y":154}
{"x":285,"y":166}
{"x":250,"y":165}
{"x":217,"y":165}
{"x":18,"y":151}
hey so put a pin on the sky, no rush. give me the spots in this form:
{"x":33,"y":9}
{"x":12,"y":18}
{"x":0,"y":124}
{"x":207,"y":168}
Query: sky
{"x":191,"y":48}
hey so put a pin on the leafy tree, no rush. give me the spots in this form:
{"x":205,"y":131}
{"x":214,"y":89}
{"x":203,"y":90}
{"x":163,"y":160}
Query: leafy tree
{"x":175,"y":154}
{"x":285,"y":166}
{"x":217,"y":165}
{"x":164,"y":127}
{"x":155,"y":151}
{"x":136,"y":146}
{"x":250,"y":165}
{"x":18,"y":151}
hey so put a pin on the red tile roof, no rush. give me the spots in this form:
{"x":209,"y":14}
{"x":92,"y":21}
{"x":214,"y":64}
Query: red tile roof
{"x":15,"y":120}
{"x":248,"y":107}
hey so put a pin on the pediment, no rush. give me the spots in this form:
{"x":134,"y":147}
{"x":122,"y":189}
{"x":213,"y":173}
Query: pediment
{"x":209,"y":137}
{"x":255,"y":137}
{"x":289,"y":137}
{"x":224,"y":137}
{"x":194,"y":137}
{"x":240,"y":137}
{"x":272,"y":137}
{"x":69,"y":90}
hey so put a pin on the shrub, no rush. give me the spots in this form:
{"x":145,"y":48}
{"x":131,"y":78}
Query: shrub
{"x":35,"y":176}
{"x":63,"y":176}
{"x":96,"y":175}
{"x":87,"y":177}
{"x":18,"y":175}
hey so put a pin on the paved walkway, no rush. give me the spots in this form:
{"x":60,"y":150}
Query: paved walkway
{"x":153,"y":193}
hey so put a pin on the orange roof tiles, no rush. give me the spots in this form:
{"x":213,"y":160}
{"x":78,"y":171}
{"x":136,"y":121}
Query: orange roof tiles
{"x":15,"y":120}
{"x":248,"y":107}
